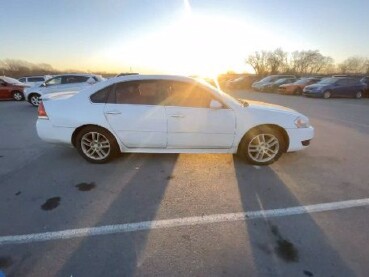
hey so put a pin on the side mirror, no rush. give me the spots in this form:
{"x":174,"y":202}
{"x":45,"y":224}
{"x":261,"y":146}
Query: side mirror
{"x":215,"y":105}
{"x":91,"y":81}
{"x":43,"y":85}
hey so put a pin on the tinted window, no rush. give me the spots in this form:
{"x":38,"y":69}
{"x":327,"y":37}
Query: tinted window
{"x":187,"y":95}
{"x":22,"y":80}
{"x":101,"y":96}
{"x":74,"y":79}
{"x":35,"y":79}
{"x":140,"y":93}
{"x":54,"y":81}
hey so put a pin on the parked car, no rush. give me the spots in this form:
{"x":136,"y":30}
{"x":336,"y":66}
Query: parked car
{"x":34,"y":80}
{"x":60,"y":83}
{"x":365,"y":80}
{"x":297,"y":87}
{"x":242,"y":82}
{"x":336,"y":87}
{"x":11,"y":89}
{"x":260,"y":85}
{"x":169,"y":114}
{"x":272,"y":87}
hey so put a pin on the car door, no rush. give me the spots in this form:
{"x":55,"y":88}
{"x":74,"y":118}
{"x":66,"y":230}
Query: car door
{"x":191,"y":121}
{"x":73,"y":83}
{"x":4,"y":90}
{"x":342,"y":88}
{"x":136,"y":114}
{"x":51,"y":85}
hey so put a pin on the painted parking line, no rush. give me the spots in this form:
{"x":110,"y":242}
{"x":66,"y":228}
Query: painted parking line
{"x":180,"y":222}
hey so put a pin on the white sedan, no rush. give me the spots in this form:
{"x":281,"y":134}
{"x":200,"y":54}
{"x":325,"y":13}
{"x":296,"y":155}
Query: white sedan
{"x":169,"y":114}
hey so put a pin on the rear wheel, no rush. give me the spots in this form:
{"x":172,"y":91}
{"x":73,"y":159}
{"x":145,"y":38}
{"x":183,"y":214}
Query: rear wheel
{"x":262,"y":146}
{"x":34,"y":99}
{"x":96,"y":145}
{"x":359,"y":94}
{"x":327,"y":94}
{"x":17,"y":95}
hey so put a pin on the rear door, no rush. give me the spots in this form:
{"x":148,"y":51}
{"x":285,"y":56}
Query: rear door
{"x":136,"y":114}
{"x":191,"y":121}
{"x":73,"y":83}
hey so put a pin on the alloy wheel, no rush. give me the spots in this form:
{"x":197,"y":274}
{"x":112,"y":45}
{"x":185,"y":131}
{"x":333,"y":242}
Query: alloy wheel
{"x":35,"y":100}
{"x":263,"y":148}
{"x":95,"y":145}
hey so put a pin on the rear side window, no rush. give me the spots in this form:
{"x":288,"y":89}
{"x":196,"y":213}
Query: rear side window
{"x":139,"y":93}
{"x":101,"y":96}
{"x":74,"y":79}
{"x":22,"y":80}
{"x":35,"y":79}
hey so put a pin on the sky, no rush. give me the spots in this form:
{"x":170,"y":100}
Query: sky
{"x":202,"y":37}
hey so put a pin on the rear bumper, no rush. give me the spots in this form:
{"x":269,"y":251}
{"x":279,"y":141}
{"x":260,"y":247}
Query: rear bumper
{"x":50,"y":133}
{"x":299,"y":138}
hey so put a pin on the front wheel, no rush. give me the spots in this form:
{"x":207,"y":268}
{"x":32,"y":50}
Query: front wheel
{"x":17,"y":96}
{"x":262,"y":146}
{"x":96,"y":145}
{"x":34,"y":99}
{"x":298,"y":91}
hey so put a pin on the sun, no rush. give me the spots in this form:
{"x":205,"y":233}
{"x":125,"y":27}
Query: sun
{"x":195,"y":44}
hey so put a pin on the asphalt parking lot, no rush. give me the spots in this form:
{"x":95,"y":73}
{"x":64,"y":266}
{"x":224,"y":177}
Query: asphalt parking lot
{"x":47,"y":188}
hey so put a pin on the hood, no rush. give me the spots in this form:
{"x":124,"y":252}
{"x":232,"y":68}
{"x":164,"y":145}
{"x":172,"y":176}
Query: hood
{"x":270,"y":107}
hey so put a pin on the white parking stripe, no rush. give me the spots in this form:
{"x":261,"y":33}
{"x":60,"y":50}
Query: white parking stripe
{"x":177,"y":222}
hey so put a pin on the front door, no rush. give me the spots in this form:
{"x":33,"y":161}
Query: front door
{"x":136,"y":115}
{"x":191,"y":121}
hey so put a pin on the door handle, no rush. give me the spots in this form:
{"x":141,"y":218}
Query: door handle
{"x":177,"y":115}
{"x":113,"y":112}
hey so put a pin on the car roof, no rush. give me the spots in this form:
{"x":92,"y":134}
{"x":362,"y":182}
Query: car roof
{"x":150,"y":77}
{"x":76,"y":74}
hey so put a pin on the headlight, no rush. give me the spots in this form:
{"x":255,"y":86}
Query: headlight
{"x":302,"y":122}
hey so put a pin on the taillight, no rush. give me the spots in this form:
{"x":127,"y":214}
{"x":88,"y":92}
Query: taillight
{"x":41,"y":111}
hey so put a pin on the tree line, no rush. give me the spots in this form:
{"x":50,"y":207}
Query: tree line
{"x":304,"y":62}
{"x":19,"y":68}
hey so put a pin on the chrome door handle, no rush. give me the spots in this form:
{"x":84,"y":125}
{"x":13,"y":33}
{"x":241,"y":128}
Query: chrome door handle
{"x":113,"y":112}
{"x":177,"y":115}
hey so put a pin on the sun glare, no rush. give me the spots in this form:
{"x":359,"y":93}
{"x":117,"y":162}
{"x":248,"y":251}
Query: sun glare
{"x":196,"y":44}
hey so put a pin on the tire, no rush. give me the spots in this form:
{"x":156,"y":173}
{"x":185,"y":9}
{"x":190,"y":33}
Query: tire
{"x":327,"y":94}
{"x":17,"y":95}
{"x":96,"y":145}
{"x":297,"y":91}
{"x":359,"y":94}
{"x":262,"y":146}
{"x":34,"y":99}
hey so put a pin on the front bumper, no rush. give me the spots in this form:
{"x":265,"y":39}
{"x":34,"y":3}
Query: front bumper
{"x":299,"y":138}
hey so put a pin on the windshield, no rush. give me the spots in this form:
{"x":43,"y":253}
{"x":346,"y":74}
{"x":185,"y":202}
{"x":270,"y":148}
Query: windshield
{"x":280,"y":81}
{"x":268,"y":79}
{"x":328,"y":81}
{"x":10,"y":80}
{"x":302,"y":81}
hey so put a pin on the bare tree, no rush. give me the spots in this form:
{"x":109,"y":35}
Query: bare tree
{"x":258,"y":61}
{"x":354,"y":65}
{"x":277,"y":61}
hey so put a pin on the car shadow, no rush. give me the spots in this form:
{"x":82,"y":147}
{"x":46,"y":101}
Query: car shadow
{"x":137,"y":201}
{"x":283,"y":246}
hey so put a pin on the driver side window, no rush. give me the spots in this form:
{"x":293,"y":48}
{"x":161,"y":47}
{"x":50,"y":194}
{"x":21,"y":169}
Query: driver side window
{"x":183,"y":94}
{"x":54,"y":81}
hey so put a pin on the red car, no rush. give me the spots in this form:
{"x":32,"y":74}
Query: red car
{"x":11,"y":89}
